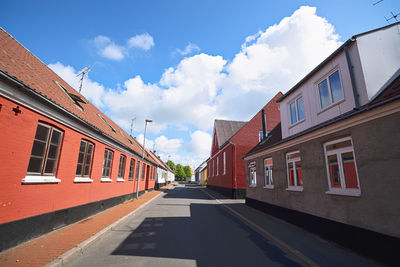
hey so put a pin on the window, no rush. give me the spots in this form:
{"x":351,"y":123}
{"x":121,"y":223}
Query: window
{"x":330,"y":90}
{"x":260,"y":136}
{"x":84,"y":165}
{"x":143,"y":171}
{"x":121,"y":168}
{"x":45,"y":151}
{"x":268,"y":181}
{"x":252,"y":174}
{"x":294,"y":171}
{"x":213,"y":167}
{"x":108,"y":155}
{"x":137,"y":170}
{"x":341,"y":167}
{"x":76,"y":99}
{"x":109,"y":125}
{"x":131,"y":169}
{"x":217,"y":164}
{"x":224,"y":163}
{"x":297,"y":110}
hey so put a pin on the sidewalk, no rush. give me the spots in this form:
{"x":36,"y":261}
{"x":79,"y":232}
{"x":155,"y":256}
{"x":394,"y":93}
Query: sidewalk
{"x":47,"y":248}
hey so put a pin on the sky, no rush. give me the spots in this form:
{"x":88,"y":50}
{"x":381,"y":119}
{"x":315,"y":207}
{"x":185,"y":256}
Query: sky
{"x":185,"y":63}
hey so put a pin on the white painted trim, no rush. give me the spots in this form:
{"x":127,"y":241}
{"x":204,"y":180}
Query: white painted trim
{"x":120,"y":180}
{"x":38,"y":179}
{"x":295,"y":188}
{"x":270,"y":186}
{"x":82,"y":180}
{"x":105,"y":179}
{"x":344,"y":192}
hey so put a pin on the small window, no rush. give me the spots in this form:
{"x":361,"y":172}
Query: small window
{"x":108,"y":156}
{"x":252,"y":174}
{"x":45,"y":150}
{"x":341,"y":167}
{"x":294,"y":171}
{"x":126,"y":137}
{"x":74,"y":98}
{"x":268,"y":181}
{"x":143,"y":171}
{"x":213,"y":167}
{"x":85,"y":157}
{"x":131,"y":169}
{"x":109,"y":125}
{"x":224,"y":158}
{"x":137,"y":170}
{"x":330,"y":90}
{"x":296,"y":110}
{"x":121,"y":168}
{"x":217,"y":164}
{"x":260,"y":136}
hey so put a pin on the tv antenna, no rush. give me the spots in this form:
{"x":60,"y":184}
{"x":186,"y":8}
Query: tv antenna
{"x":82,"y":74}
{"x":132,"y":120}
{"x":394,"y":16}
{"x":377,"y":2}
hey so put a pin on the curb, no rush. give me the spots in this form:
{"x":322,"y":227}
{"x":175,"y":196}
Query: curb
{"x":62,"y":259}
{"x":267,"y":234}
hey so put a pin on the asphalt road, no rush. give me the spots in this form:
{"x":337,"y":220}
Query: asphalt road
{"x":184,"y":227}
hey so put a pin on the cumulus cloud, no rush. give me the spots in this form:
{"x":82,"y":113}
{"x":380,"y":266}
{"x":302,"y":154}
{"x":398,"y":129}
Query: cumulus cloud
{"x":142,"y":41}
{"x":200,"y":143}
{"x":189,"y":49}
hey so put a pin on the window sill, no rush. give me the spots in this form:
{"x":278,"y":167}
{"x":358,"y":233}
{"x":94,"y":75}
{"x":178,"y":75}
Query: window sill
{"x":295,"y":188}
{"x":269,"y":186}
{"x":33,"y":179}
{"x":296,"y":123}
{"x":330,"y":106}
{"x":120,"y":180}
{"x":253,"y":185}
{"x":344,"y":192}
{"x":82,"y":180}
{"x":105,"y":180}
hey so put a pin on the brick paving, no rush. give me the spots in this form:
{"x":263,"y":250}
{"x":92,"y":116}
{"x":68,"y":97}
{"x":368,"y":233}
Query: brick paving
{"x":47,"y":248}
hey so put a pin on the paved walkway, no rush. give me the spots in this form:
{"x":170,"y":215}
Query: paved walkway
{"x":47,"y":248}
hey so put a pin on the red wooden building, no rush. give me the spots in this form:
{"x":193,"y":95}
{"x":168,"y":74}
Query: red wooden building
{"x":61,"y":158}
{"x":231,"y":141}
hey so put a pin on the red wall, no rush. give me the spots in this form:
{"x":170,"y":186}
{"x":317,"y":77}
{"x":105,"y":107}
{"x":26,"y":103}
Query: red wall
{"x":222,"y":180}
{"x":19,"y":200}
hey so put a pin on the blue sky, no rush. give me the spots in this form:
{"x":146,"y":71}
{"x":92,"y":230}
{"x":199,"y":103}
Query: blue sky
{"x":185,"y":63}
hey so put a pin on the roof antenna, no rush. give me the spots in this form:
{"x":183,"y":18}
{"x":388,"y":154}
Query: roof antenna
{"x":134,"y":118}
{"x":394,"y":16}
{"x":82,"y":74}
{"x":377,"y":2}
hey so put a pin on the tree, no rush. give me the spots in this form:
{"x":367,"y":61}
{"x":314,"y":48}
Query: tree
{"x":171,"y":165}
{"x":179,"y":172}
{"x":188,"y":171}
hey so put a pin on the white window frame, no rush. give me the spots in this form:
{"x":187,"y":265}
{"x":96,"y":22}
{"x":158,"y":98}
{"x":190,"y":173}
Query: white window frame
{"x":270,"y":185}
{"x":326,"y":78}
{"x":107,"y":178}
{"x":342,"y":190}
{"x":297,"y":111}
{"x":293,"y":161}
{"x":85,"y":178}
{"x":224,"y":162}
{"x":121,"y":167}
{"x":217,"y":164}
{"x":213,"y":167}
{"x":252,"y":174}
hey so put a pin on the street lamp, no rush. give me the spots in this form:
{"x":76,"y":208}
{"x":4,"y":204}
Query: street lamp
{"x":140,"y":167}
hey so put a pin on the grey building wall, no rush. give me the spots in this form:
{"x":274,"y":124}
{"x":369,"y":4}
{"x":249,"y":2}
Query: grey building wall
{"x":376,"y":147}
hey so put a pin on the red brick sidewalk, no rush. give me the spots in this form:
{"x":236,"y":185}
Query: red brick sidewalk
{"x":47,"y":248}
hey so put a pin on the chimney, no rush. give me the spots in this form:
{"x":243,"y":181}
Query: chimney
{"x":263,"y":124}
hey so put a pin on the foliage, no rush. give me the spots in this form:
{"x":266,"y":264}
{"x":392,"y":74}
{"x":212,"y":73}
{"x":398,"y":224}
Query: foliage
{"x":171,"y":165}
{"x":179,"y":172}
{"x":188,"y":171}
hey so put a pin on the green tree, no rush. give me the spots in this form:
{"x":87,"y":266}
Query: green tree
{"x":188,"y":171}
{"x":171,"y":165}
{"x":179,"y":172}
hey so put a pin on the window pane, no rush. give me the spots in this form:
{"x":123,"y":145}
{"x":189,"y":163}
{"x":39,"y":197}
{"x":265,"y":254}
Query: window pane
{"x":41,"y":132}
{"x":336,"y":87}
{"x":52,"y":152}
{"x":267,"y":175}
{"x":50,"y":164}
{"x":346,"y":143}
{"x":79,"y":169}
{"x":35,"y":165}
{"x":300,"y":108}
{"x":38,"y":148}
{"x":293,"y":115}
{"x":291,"y":173}
{"x":143,"y":171}
{"x":87,"y":170}
{"x":55,"y":137}
{"x":137,"y":170}
{"x":82,"y":148}
{"x":324,"y":94}
{"x":299,"y":173}
{"x":334,"y":171}
{"x":349,"y":170}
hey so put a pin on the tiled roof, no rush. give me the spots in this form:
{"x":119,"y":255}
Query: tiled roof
{"x":19,"y":63}
{"x":226,"y":129}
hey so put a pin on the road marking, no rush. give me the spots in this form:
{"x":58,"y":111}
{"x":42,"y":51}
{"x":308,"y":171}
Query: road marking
{"x":267,"y":234}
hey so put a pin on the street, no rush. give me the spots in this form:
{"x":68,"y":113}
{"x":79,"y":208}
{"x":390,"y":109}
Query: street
{"x":186,"y":227}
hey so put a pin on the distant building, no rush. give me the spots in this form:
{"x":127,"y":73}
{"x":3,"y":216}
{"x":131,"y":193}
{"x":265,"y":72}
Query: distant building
{"x":198,"y":178}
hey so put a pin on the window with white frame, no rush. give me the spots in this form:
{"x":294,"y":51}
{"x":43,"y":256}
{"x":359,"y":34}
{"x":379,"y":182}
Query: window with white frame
{"x":121,"y":168}
{"x":137,"y":170}
{"x":268,"y":181}
{"x":224,"y":163}
{"x":213,"y":167}
{"x":45,"y":150}
{"x":294,"y":171}
{"x":341,"y":167}
{"x":252,"y":174}
{"x":108,"y":155}
{"x":330,"y":90}
{"x":217,"y":164}
{"x":131,"y":169}
{"x":84,"y":161}
{"x":296,"y":109}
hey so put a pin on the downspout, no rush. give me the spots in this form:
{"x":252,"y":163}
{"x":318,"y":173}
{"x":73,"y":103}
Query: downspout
{"x":353,"y":81}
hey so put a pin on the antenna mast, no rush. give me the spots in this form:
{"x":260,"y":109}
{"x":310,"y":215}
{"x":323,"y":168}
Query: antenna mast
{"x":82,"y":74}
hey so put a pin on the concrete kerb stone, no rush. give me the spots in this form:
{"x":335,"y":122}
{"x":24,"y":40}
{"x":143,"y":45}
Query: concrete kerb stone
{"x":266,"y":234}
{"x":80,"y":248}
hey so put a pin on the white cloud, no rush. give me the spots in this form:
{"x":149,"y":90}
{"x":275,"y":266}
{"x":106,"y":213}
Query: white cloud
{"x":190,"y":48}
{"x":142,"y":41}
{"x":165,"y":145}
{"x":200,"y":143}
{"x":113,"y":51}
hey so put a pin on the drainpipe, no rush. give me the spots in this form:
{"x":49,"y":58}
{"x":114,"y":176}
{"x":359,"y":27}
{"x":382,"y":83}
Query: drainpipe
{"x":263,"y":124}
{"x":353,"y":81}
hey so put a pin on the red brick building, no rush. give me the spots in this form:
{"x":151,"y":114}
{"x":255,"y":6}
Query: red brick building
{"x":231,"y":141}
{"x":61,"y":158}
